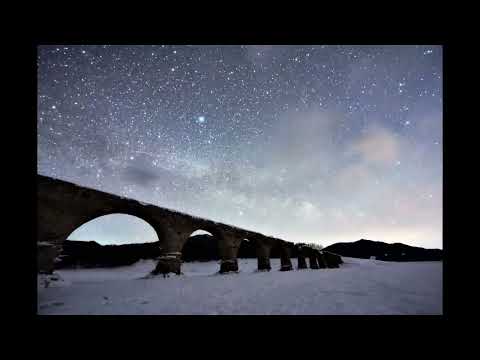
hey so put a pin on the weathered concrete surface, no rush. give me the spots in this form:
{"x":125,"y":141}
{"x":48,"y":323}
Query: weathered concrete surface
{"x":313,"y":261}
{"x":285,"y":253}
{"x":168,"y":264}
{"x":311,"y":254}
{"x":302,"y":262}
{"x":322,"y":263}
{"x":46,"y":255}
{"x":263,"y":247}
{"x":64,"y":206}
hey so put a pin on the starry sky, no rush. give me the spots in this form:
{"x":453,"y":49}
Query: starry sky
{"x":318,"y":143}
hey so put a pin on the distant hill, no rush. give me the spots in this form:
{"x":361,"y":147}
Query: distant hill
{"x":92,"y":254}
{"x":364,"y":249}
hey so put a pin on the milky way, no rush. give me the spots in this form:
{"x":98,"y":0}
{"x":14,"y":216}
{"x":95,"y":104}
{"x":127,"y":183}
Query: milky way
{"x":306,"y":143}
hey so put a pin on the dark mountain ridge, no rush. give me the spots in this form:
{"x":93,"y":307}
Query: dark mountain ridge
{"x":92,"y":254}
{"x":364,"y":249}
{"x":197,"y":248}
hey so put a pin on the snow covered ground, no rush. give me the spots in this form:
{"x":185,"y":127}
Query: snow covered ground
{"x":358,"y":287}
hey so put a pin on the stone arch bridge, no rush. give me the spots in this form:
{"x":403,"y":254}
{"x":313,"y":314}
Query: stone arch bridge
{"x":64,"y":206}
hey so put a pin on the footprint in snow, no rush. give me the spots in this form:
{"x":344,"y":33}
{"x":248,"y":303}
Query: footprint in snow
{"x":138,"y":301}
{"x":50,"y":304}
{"x":106,"y":300}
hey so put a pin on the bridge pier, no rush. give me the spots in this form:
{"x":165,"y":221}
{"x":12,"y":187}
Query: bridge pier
{"x":228,"y":248}
{"x":285,"y":261}
{"x":321,"y":261}
{"x":285,"y":264}
{"x":171,"y":242}
{"x":313,"y":261}
{"x":302,"y":263}
{"x":332,"y":260}
{"x":263,"y":256}
{"x":228,"y":265}
{"x":263,"y":264}
{"x":47,"y":252}
{"x":168,"y":263}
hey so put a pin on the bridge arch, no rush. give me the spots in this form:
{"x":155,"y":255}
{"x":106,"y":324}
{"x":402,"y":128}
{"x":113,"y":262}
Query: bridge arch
{"x":200,"y":245}
{"x":227,"y":243}
{"x":97,"y":229}
{"x":246,"y":249}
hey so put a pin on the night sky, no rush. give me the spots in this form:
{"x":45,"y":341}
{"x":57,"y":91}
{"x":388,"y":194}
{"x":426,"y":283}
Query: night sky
{"x":307,"y":143}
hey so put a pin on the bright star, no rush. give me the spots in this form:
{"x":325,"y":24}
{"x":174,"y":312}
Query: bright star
{"x":201,"y":119}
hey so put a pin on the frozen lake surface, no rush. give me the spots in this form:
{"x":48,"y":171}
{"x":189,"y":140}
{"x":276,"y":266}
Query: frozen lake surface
{"x":358,"y":287}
